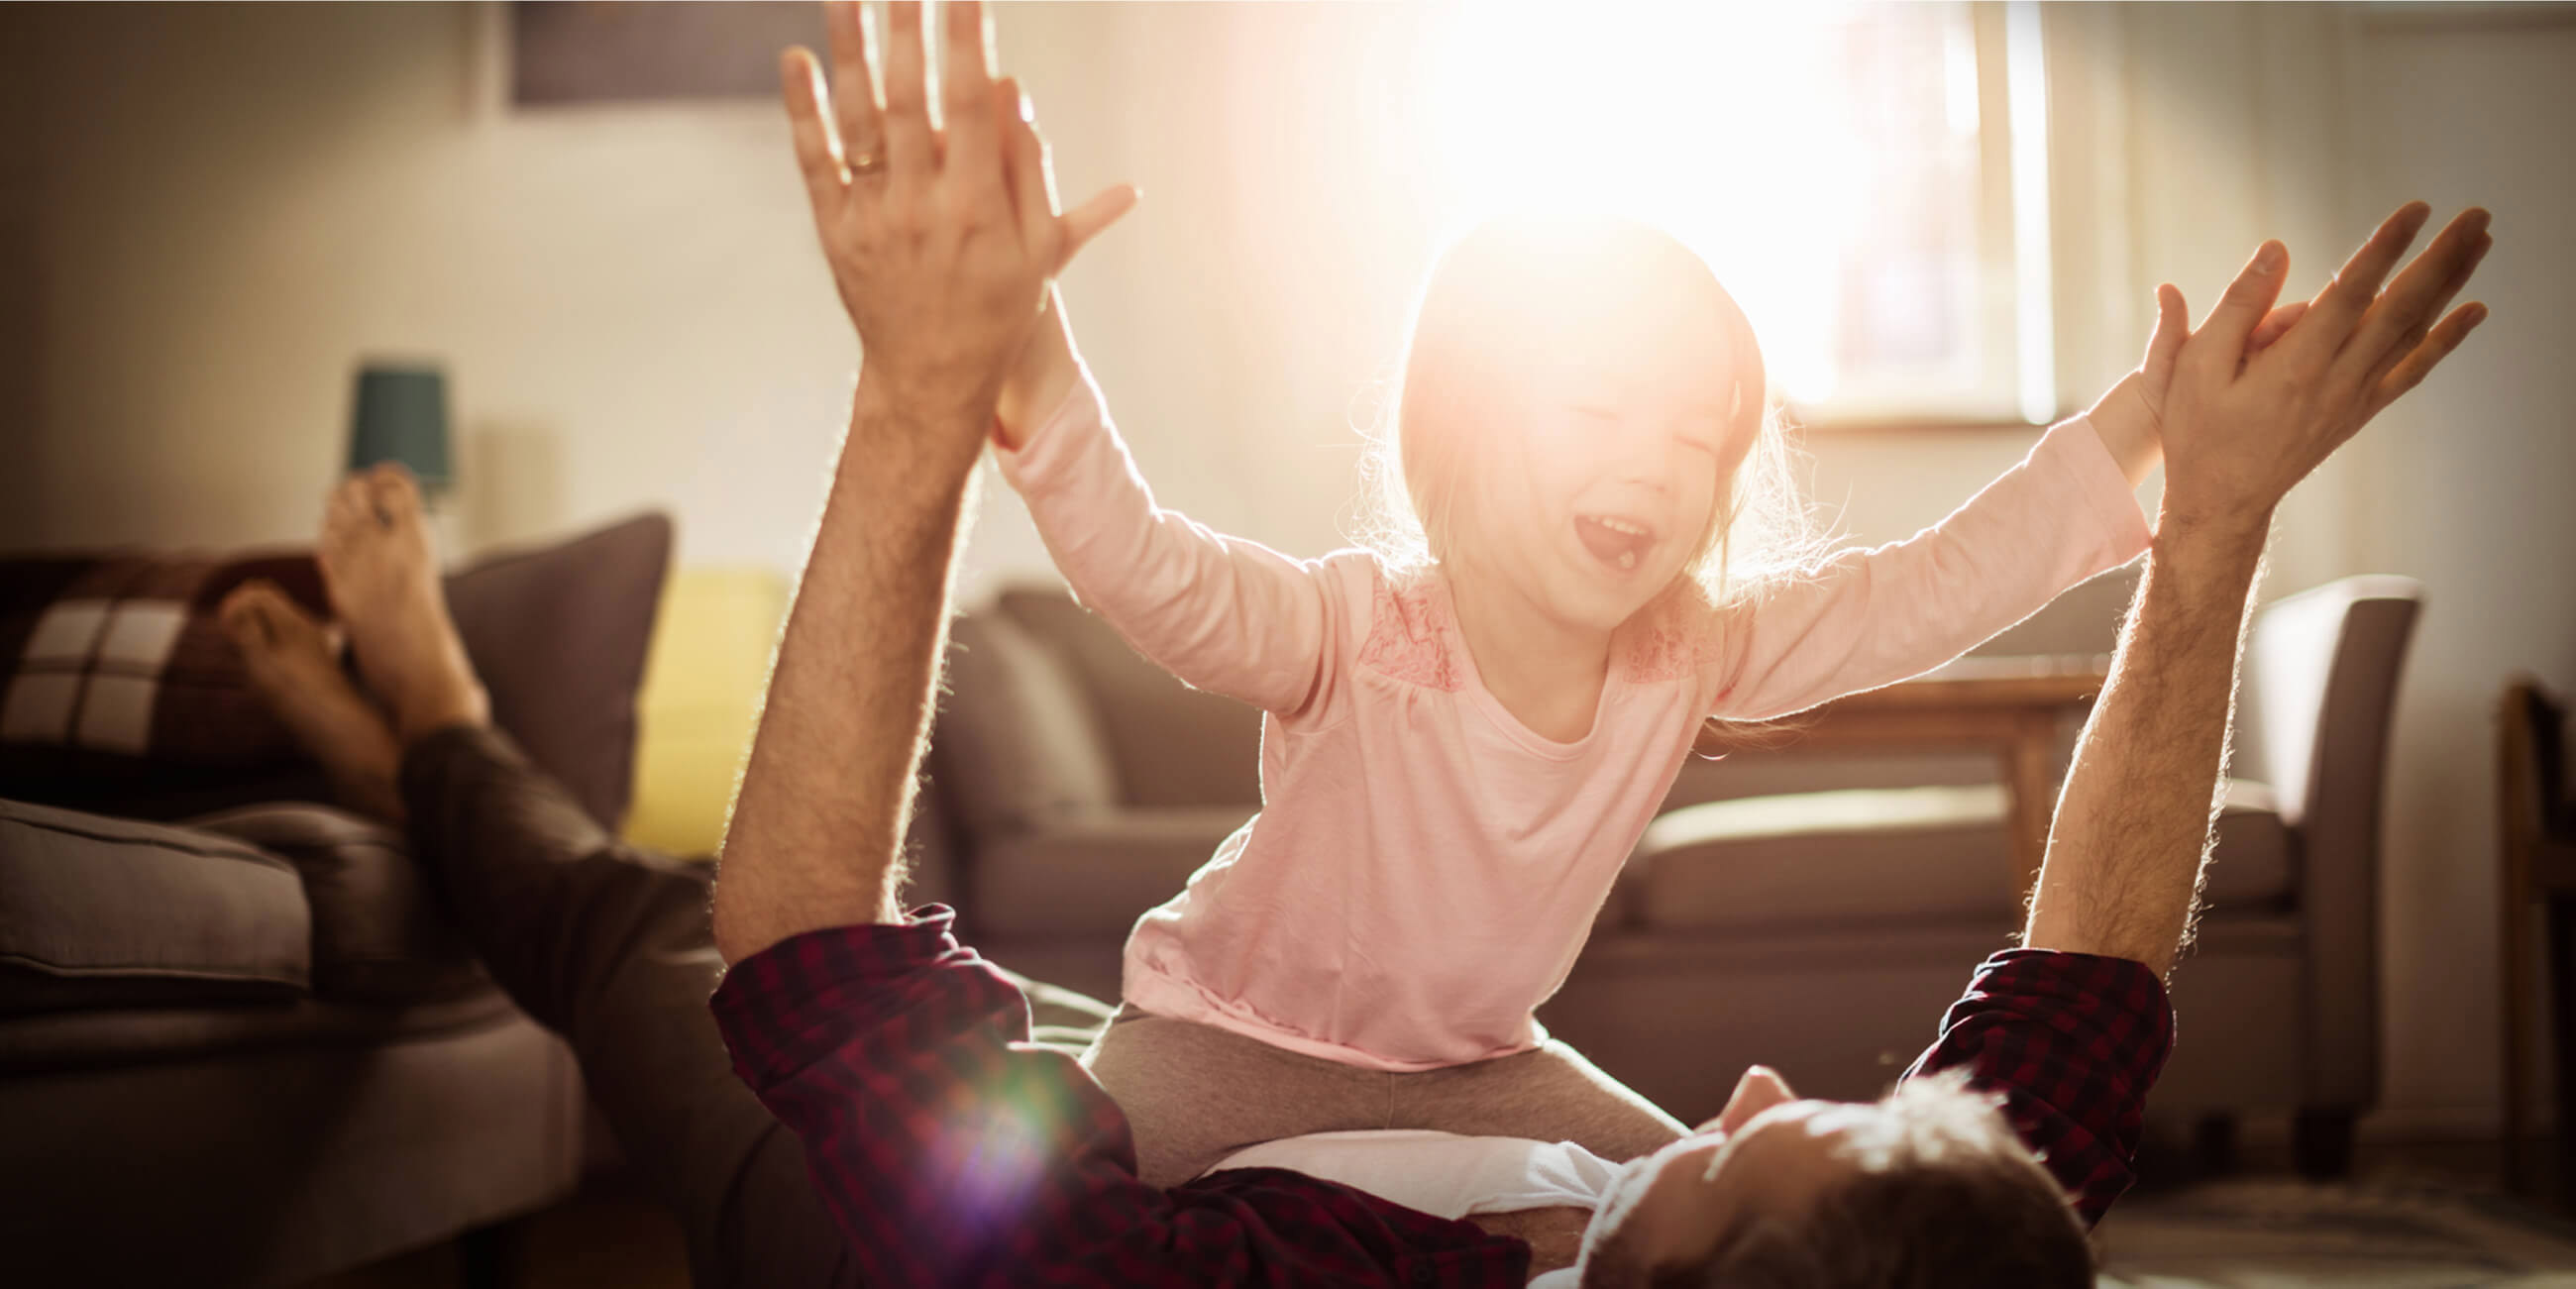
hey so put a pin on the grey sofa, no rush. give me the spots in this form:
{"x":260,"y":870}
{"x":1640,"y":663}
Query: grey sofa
{"x":245,"y":1047}
{"x":1072,"y":786}
{"x":264,"y":1058}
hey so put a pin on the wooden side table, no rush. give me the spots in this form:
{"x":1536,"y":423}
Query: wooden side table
{"x":2011,"y":706}
{"x":2537,"y":883}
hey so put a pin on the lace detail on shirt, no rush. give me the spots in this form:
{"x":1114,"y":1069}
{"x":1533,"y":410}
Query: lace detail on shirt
{"x":1676,"y":641}
{"x":1405,"y":640}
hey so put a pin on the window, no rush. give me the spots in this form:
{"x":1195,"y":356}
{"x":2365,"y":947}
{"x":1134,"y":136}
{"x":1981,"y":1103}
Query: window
{"x":1869,"y":181}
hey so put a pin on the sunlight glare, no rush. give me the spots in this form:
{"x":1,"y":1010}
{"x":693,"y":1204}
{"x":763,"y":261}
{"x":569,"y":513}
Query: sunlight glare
{"x":1717,"y":121}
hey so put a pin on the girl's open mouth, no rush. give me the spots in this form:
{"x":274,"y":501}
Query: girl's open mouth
{"x":1615,"y":540}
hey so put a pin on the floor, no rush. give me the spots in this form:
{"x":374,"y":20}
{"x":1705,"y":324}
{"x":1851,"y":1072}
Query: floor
{"x":2412,"y":1216}
{"x":611,"y":1236}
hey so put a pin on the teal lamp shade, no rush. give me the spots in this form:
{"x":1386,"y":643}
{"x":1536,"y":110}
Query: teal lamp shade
{"x":401,"y":415}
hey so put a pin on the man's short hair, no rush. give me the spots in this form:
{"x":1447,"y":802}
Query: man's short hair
{"x":1943,"y":1194}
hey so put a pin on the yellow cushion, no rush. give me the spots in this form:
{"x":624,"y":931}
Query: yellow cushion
{"x":702,"y":684}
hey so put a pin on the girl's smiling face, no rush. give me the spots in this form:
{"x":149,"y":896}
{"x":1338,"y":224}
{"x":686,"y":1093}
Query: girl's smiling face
{"x":1611,"y":453}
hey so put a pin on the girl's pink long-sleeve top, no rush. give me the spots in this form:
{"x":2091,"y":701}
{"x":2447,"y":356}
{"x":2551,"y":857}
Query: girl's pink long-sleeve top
{"x":1425,"y":868}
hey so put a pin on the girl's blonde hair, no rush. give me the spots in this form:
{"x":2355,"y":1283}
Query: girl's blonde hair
{"x":1487,"y":309}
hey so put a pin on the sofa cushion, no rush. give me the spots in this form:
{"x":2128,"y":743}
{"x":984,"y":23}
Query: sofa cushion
{"x":379,"y":935}
{"x":1016,"y":744}
{"x":1892,"y":855}
{"x":709,"y":665}
{"x":1091,"y":876}
{"x":1172,"y":745}
{"x":118,"y":658}
{"x":103,"y":912}
{"x":559,"y":634}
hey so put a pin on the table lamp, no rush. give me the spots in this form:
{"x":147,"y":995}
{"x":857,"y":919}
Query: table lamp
{"x":400,"y":414}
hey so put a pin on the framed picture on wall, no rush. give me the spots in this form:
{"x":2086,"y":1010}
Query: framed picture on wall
{"x":572,"y":52}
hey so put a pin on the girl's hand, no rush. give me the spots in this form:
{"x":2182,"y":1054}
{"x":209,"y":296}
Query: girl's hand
{"x":941,"y":241}
{"x":1040,"y":379}
{"x":1047,"y":364}
{"x":2130,"y":417}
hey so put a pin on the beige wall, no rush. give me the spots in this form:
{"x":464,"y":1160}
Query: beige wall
{"x":208,"y":214}
{"x":2472,"y":487}
{"x":238,"y":203}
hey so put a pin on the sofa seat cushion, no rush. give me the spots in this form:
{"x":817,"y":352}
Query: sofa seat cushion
{"x":1091,"y":875}
{"x":1891,"y":855}
{"x":2255,"y":868}
{"x":379,"y":934}
{"x":96,"y":912}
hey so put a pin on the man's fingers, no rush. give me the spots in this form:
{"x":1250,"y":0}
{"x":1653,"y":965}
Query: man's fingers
{"x":1093,"y":217}
{"x":801,"y":85}
{"x":2419,"y":362}
{"x":854,"y":91}
{"x":2248,"y":298}
{"x":908,"y":145}
{"x":2275,"y":325}
{"x":1024,"y":161}
{"x":2415,"y":336}
{"x":2460,"y":279}
{"x":2407,"y":305}
{"x":2406,"y":314}
{"x":970,"y":134}
{"x":2338,"y":308}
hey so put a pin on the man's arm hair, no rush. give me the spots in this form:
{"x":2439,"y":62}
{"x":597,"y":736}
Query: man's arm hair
{"x":818,"y":823}
{"x":2132,"y":828}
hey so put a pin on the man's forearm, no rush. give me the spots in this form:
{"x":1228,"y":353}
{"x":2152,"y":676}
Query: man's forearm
{"x":2132,"y":826}
{"x":818,"y":823}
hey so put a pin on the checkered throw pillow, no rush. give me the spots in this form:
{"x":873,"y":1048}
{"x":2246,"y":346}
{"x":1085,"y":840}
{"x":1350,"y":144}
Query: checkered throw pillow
{"x":122,"y":655}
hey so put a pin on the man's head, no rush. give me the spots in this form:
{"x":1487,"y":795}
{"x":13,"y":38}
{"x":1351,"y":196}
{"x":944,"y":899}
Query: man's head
{"x":1927,"y":1186}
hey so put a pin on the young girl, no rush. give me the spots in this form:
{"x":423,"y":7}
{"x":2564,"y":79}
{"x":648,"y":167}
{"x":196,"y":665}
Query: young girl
{"x":1464,"y":736}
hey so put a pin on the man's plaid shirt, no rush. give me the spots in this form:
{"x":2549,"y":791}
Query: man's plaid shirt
{"x":953,"y":1154}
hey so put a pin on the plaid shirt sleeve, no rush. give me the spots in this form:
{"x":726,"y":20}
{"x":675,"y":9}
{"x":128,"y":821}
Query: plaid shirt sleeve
{"x":951,"y":1153}
{"x":2072,"y":1042}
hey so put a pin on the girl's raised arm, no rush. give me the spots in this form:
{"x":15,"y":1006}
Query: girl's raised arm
{"x":1224,"y":614}
{"x":1868,"y":618}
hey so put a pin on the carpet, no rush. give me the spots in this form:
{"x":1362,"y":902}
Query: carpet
{"x":2385,"y":1232}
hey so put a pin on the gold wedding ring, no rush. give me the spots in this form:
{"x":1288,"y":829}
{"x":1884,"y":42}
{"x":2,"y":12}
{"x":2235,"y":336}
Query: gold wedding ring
{"x":865,"y":163}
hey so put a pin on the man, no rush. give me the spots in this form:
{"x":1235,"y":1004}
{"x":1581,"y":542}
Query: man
{"x":947,"y":1153}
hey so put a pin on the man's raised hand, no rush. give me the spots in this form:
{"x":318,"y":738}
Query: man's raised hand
{"x":2243,"y":422}
{"x":941,"y":236}
{"x":2130,"y":416}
